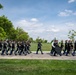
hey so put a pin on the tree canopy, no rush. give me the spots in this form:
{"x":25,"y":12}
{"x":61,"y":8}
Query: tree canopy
{"x":1,"y":6}
{"x":6,"y":25}
{"x":21,"y":34}
{"x":72,"y":34}
{"x":10,"y":31}
{"x":2,"y":34}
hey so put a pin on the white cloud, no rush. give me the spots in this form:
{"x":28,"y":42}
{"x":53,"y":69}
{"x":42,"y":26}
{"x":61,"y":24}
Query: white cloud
{"x":70,"y":1}
{"x":22,"y":23}
{"x":67,"y":13}
{"x":63,"y":14}
{"x":55,"y":30}
{"x":70,"y":24}
{"x":30,"y":26}
{"x":47,"y":31}
{"x":26,"y":24}
{"x":34,"y":20}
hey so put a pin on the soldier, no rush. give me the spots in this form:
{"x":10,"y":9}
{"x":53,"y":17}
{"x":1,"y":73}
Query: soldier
{"x":53,"y":47}
{"x":4,"y":48}
{"x":28,"y":46}
{"x":57,"y":48}
{"x":66,"y":46}
{"x":0,"y":45}
{"x":62,"y":45}
{"x":22,"y":48}
{"x":25,"y":48}
{"x":13,"y":47}
{"x":39,"y":48}
{"x":17,"y":49}
{"x":9,"y":46}
{"x":74,"y":49}
{"x":70,"y":47}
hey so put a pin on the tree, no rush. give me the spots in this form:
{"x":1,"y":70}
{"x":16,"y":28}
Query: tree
{"x":1,"y":6}
{"x":22,"y":35}
{"x":6,"y":25}
{"x":37,"y":39}
{"x":45,"y":41}
{"x":71,"y":35}
{"x":14,"y":34}
{"x":7,"y":29}
{"x":2,"y":34}
{"x":31,"y":39}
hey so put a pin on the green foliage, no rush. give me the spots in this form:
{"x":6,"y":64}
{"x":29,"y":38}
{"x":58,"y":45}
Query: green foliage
{"x":37,"y":39}
{"x":45,"y":41}
{"x":6,"y":25}
{"x":22,"y":35}
{"x":1,"y":6}
{"x":41,"y":40}
{"x":11,"y":32}
{"x":31,"y":39}
{"x":2,"y":34}
{"x":72,"y":34}
{"x":37,"y":67}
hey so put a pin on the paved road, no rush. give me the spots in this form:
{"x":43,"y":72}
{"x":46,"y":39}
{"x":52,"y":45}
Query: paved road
{"x":33,"y":55}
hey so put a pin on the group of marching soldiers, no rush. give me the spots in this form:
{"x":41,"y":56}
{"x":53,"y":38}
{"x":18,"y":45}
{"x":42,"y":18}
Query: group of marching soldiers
{"x":66,"y":48}
{"x":13,"y":47}
{"x":21,"y":47}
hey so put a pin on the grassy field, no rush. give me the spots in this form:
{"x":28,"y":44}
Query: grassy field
{"x":37,"y":67}
{"x":45,"y":47}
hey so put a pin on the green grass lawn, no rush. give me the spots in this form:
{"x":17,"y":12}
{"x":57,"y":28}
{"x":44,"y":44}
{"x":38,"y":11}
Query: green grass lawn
{"x":45,"y":46}
{"x":37,"y":67}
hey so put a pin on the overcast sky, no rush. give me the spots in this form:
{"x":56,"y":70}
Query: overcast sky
{"x":44,"y":18}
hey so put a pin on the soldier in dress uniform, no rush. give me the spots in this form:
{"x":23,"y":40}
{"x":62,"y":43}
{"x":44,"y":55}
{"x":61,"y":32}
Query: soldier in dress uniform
{"x":0,"y":45}
{"x":25,"y":48}
{"x":13,"y":47}
{"x":18,"y":48}
{"x":4,"y":48}
{"x":39,"y":48}
{"x":74,"y":49}
{"x":28,"y":46}
{"x":53,"y":47}
{"x":70,"y":47}
{"x":57,"y":49}
{"x":9,"y":45}
{"x":22,"y":48}
{"x":66,"y":46}
{"x":62,"y":44}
